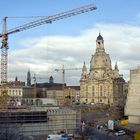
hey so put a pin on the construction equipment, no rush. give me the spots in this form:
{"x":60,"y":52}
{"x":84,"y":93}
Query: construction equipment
{"x":63,"y":73}
{"x":37,"y":77}
{"x":46,"y":20}
{"x":62,"y":100}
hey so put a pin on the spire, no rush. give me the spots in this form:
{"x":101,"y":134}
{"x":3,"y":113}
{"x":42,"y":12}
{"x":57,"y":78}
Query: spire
{"x":84,"y":72}
{"x":84,"y":69}
{"x":28,"y":78}
{"x":16,"y":79}
{"x":116,"y":66}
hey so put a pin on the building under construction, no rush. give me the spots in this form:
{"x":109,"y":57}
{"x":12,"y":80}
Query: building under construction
{"x":37,"y":122}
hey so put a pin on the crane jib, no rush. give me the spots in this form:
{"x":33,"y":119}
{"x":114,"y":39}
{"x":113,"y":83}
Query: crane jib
{"x":50,"y":19}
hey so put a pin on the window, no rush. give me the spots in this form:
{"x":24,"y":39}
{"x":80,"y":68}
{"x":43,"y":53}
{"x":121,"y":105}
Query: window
{"x":92,"y":100}
{"x":86,"y":91}
{"x":101,"y":90}
{"x":92,"y":90}
{"x":19,"y":92}
{"x":13,"y":92}
{"x":108,"y":89}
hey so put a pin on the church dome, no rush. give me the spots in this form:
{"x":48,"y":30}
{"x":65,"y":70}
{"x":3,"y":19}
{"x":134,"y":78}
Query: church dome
{"x":99,"y":61}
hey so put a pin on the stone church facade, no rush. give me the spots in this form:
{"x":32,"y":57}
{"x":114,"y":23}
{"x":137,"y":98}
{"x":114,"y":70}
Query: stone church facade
{"x":102,"y":84}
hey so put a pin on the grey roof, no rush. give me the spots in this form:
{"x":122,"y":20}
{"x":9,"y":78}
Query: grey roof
{"x":99,"y":37}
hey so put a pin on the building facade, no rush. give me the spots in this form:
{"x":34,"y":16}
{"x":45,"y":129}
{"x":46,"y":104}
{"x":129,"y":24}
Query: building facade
{"x":102,"y":84}
{"x":132,"y":108}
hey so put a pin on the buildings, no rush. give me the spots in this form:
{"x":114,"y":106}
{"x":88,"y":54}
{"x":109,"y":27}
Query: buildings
{"x":102,"y":84}
{"x":132,"y":108}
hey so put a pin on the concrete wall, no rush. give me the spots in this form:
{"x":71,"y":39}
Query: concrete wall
{"x":132,"y":108}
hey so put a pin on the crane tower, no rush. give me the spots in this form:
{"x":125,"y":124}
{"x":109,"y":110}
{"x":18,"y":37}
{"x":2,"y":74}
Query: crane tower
{"x":63,"y":73}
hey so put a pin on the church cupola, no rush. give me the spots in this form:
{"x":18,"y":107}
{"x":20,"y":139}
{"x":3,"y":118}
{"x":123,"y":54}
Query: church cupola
{"x":100,"y":44}
{"x":51,"y":81}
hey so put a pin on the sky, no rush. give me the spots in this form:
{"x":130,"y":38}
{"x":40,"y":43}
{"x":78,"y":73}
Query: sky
{"x":70,"y":41}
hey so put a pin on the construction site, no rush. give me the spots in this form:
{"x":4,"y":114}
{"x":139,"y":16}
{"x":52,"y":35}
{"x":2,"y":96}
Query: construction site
{"x":41,"y":110}
{"x":37,"y":122}
{"x":22,"y":121}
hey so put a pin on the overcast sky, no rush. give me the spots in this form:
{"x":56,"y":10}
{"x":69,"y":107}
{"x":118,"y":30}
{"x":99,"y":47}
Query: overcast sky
{"x":71,"y":41}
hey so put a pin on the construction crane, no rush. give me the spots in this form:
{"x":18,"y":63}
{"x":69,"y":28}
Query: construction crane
{"x":63,"y":73}
{"x":37,"y":77}
{"x":46,"y":20}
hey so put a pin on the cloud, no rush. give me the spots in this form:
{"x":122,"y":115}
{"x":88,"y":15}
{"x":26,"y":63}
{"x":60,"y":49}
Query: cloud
{"x":44,"y":54}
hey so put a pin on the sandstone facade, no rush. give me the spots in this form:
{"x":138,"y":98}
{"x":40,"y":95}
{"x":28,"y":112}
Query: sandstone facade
{"x":102,"y":84}
{"x":132,"y":108}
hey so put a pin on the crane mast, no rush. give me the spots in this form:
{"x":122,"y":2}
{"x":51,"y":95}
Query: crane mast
{"x":4,"y":53}
{"x":63,"y":73}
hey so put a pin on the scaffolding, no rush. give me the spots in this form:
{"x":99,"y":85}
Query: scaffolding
{"x":40,"y":122}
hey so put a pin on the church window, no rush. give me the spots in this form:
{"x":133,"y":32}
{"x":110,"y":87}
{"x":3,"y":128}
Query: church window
{"x":92,"y":90}
{"x":104,"y":89}
{"x":108,"y":89}
{"x":99,"y":43}
{"x":86,"y":91}
{"x":101,"y":90}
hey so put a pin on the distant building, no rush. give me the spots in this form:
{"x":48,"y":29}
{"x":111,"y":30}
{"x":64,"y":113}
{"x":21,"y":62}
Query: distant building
{"x":14,"y":91}
{"x":57,"y":91}
{"x":29,"y":78}
{"x":102,"y":84}
{"x":132,"y":108}
{"x":72,"y":93}
{"x":16,"y":83}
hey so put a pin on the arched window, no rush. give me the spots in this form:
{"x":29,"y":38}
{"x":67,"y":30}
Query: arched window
{"x":93,"y":91}
{"x":108,"y":90}
{"x":86,"y":90}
